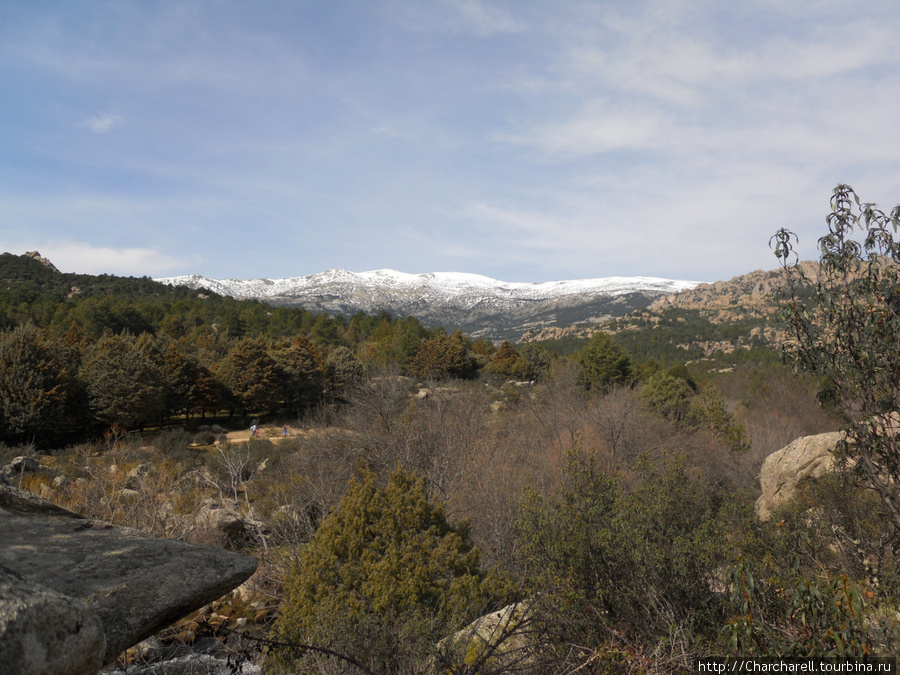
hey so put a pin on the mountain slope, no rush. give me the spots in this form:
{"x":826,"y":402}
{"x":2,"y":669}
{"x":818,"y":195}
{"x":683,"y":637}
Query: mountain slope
{"x":729,"y":318}
{"x":478,"y":305}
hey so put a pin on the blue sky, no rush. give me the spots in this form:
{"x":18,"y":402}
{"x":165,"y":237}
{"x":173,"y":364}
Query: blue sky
{"x":523,"y":140}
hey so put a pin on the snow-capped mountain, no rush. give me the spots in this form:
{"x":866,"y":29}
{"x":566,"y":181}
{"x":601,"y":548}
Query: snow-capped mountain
{"x":476,"y":304}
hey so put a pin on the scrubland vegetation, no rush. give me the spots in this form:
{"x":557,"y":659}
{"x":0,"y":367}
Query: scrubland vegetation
{"x":605,"y":498}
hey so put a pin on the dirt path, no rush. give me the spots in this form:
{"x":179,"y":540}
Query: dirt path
{"x":268,"y":433}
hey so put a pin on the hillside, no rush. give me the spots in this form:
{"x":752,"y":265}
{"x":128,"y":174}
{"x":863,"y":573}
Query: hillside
{"x":726,"y":321}
{"x":33,"y":290}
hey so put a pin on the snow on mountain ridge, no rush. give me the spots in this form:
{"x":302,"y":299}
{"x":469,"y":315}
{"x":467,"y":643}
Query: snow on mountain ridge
{"x":477,"y":304}
{"x":443,"y":283}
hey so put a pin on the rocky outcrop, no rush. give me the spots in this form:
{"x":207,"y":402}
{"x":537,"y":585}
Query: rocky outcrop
{"x":750,"y":293}
{"x":132,"y":584}
{"x":806,"y":457}
{"x":44,"y":261}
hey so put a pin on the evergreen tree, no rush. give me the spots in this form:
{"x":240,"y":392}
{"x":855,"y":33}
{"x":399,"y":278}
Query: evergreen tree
{"x":504,"y":360}
{"x":445,"y":356}
{"x":301,"y":371}
{"x":343,"y":368}
{"x":123,"y":383}
{"x":251,"y":375}
{"x":209,"y":395}
{"x":538,"y":359}
{"x":32,"y":386}
{"x":603,"y":363}
{"x":668,"y":395}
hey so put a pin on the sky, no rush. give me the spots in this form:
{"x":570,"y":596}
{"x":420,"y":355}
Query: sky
{"x":523,"y":140}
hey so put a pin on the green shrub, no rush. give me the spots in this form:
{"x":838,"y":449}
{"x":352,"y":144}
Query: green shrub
{"x":175,"y":441}
{"x":820,"y":579}
{"x":609,"y":562}
{"x":385,"y":577}
{"x":668,"y":395}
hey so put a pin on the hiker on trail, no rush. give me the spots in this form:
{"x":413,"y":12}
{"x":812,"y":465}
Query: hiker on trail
{"x":253,"y":431}
{"x":284,"y":430}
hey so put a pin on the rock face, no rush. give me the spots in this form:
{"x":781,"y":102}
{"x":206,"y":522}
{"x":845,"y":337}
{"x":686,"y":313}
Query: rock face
{"x":133,"y":585}
{"x":806,"y":457}
{"x":749,"y":293}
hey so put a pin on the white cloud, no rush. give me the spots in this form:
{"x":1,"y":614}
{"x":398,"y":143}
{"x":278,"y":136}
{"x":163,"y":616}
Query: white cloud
{"x":103,"y":123}
{"x":89,"y":259}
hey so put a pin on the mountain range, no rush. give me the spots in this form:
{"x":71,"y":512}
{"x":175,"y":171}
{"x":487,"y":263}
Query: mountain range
{"x":477,"y":305}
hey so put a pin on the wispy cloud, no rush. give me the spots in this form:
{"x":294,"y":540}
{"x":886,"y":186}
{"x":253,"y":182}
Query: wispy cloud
{"x":482,"y":18}
{"x":103,"y":123}
{"x":486,"y":18}
{"x":599,"y":127}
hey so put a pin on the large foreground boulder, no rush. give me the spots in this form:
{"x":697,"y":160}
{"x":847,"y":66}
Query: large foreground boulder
{"x":134,"y":585}
{"x":42,"y":631}
{"x":806,"y":457}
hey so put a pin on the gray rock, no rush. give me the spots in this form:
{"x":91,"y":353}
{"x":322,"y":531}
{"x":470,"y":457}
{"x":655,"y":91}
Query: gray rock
{"x":135,"y":476}
{"x":23,"y":464}
{"x":806,"y":457}
{"x":223,"y":525}
{"x":134,"y":584}
{"x":502,"y":636}
{"x":42,"y":631}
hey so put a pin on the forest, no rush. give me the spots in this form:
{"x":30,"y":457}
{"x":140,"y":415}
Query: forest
{"x":595,"y":507}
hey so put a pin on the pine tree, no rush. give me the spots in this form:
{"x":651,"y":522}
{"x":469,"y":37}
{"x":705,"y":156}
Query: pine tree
{"x":301,"y":369}
{"x":504,"y":360}
{"x":251,"y":375}
{"x":123,"y":383}
{"x":32,"y":385}
{"x":604,"y":364}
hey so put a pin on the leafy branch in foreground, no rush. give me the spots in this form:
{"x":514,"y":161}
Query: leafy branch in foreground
{"x":848,"y":330}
